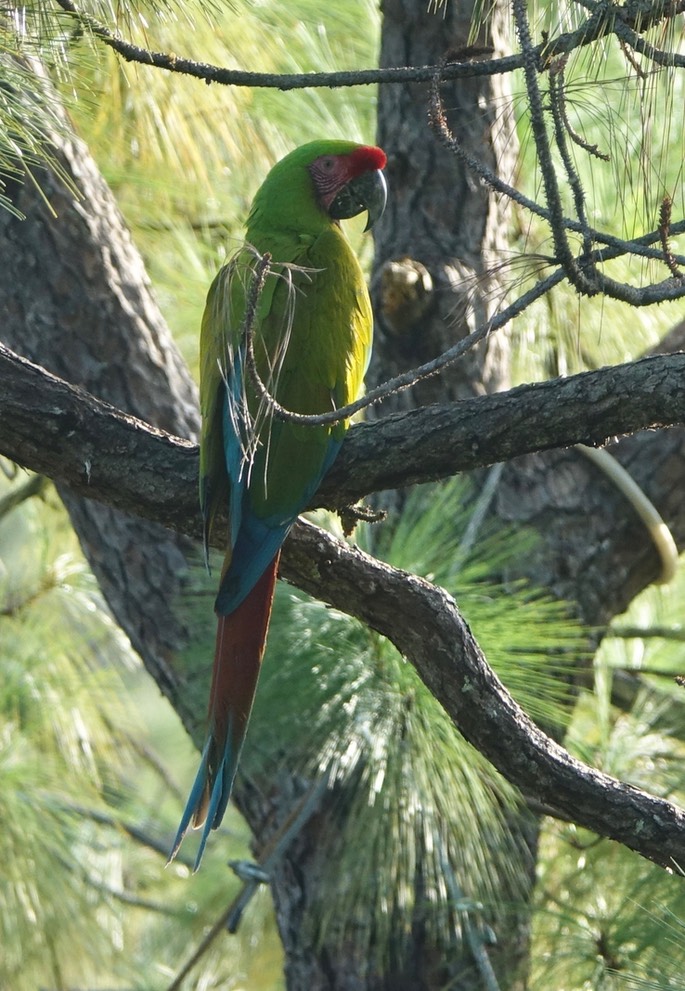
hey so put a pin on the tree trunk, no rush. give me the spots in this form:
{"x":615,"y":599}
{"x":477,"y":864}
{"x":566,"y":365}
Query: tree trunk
{"x":436,"y":245}
{"x":436,"y":280}
{"x":75,"y":298}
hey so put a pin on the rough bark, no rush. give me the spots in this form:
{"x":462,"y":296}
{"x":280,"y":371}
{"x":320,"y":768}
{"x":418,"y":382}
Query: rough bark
{"x":75,"y":297}
{"x":436,"y":243}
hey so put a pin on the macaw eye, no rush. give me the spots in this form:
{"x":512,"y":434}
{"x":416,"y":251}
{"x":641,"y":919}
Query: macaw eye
{"x":328,"y":163}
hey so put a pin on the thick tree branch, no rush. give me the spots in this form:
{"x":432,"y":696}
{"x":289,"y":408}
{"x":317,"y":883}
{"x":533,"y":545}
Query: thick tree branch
{"x":60,"y":431}
{"x":100,"y":452}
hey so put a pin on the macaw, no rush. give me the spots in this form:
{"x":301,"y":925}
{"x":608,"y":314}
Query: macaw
{"x":312,"y":338}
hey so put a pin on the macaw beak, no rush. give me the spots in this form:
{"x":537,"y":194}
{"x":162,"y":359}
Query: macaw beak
{"x":368,"y":191}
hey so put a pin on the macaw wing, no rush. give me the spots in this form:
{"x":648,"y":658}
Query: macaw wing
{"x":311,"y":347}
{"x":228,"y":435}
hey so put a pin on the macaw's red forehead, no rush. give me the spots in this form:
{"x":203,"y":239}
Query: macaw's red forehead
{"x":366,"y":158}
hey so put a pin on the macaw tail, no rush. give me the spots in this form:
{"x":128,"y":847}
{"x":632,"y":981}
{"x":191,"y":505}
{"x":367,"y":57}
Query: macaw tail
{"x":240,"y":642}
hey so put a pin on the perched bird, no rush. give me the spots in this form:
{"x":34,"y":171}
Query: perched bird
{"x":311,"y":341}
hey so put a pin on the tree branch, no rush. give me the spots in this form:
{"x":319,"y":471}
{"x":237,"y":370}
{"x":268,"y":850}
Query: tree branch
{"x":60,"y":431}
{"x":402,"y":608}
{"x":170,"y":62}
{"x":601,"y":24}
{"x":95,"y":449}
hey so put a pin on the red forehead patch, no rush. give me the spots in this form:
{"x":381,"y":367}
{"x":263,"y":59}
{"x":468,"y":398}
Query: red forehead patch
{"x":366,"y":158}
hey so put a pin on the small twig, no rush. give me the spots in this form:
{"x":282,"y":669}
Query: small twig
{"x":626,"y":20}
{"x":557,"y":108}
{"x":474,"y":939}
{"x":133,"y":901}
{"x":631,"y":60}
{"x":394,"y":385}
{"x":134,"y":832}
{"x":33,"y":486}
{"x":560,"y":96}
{"x":576,"y":275}
{"x":254,"y":292}
{"x":639,"y":247}
{"x":275,"y":849}
{"x":664,"y":231}
{"x":632,"y":39}
{"x":437,"y":120}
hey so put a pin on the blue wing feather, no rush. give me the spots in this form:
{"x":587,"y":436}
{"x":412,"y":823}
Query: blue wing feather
{"x":258,"y":541}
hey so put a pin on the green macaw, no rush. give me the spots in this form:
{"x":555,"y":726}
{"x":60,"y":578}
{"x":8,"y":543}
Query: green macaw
{"x":312,"y":339}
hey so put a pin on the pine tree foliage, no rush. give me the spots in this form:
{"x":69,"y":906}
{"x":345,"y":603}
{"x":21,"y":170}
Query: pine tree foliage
{"x":413,"y":798}
{"x":604,"y":918}
{"x":63,"y":747}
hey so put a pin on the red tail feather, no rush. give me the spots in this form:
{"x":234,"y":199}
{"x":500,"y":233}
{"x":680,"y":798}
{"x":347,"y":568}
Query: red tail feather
{"x":240,"y":642}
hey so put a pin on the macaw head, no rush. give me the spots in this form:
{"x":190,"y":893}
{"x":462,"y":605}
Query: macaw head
{"x":349,"y":183}
{"x":320,"y":183}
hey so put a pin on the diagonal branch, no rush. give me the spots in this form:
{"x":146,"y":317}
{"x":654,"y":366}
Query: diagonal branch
{"x":404,"y":608}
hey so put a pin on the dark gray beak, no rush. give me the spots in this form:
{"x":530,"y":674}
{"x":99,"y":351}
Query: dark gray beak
{"x":368,"y":191}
